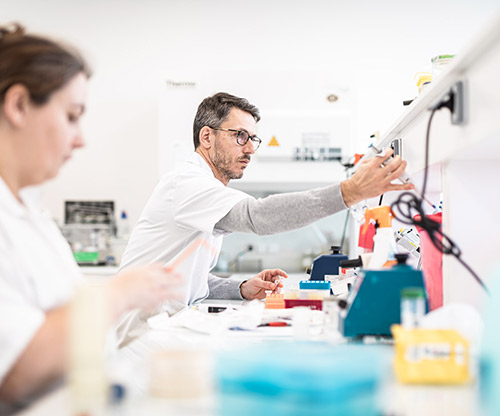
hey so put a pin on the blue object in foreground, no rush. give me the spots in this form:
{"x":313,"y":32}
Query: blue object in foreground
{"x":489,"y":380}
{"x":281,"y":378}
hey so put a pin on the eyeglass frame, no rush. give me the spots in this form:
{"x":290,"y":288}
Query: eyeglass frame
{"x":239,"y":132}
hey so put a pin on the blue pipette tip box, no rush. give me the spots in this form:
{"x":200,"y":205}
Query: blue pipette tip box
{"x":314,"y":284}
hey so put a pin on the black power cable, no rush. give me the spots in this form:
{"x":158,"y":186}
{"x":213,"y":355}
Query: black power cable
{"x":348,"y":165}
{"x":408,"y":205}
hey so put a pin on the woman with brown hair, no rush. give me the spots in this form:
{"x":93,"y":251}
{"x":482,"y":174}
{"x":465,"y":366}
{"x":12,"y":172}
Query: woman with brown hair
{"x":42,"y":99}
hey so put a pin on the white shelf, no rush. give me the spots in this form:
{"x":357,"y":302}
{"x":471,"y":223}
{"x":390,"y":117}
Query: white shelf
{"x":465,"y":161}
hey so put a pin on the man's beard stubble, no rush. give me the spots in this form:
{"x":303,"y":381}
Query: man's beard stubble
{"x":223,"y":163}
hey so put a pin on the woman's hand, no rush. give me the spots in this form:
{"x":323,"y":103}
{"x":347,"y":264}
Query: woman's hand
{"x":143,"y":288}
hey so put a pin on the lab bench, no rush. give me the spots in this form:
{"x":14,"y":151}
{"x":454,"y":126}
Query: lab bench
{"x":394,"y":398}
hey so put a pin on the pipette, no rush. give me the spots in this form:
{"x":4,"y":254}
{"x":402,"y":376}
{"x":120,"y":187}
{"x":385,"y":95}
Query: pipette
{"x":404,"y":178}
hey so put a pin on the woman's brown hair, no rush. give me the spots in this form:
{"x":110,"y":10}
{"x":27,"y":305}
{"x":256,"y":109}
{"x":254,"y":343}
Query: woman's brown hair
{"x":43,"y":66}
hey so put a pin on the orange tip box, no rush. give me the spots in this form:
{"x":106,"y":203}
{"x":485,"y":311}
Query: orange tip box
{"x":275,"y":301}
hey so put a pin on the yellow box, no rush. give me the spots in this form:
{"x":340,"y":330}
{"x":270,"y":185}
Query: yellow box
{"x":430,"y":356}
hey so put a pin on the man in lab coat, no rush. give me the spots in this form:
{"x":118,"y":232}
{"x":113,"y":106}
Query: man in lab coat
{"x":191,"y":209}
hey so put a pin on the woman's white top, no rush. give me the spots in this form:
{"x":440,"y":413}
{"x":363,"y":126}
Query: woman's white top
{"x":37,"y":273}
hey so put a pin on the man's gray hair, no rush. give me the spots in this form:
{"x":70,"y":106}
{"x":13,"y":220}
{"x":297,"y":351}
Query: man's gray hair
{"x":214,"y":110}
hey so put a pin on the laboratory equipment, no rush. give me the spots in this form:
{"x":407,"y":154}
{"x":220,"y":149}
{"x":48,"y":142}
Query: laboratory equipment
{"x":123,"y":228}
{"x":423,"y":80}
{"x":431,"y":356}
{"x":409,"y":239}
{"x":314,"y":285}
{"x":384,"y":237}
{"x":330,"y":316}
{"x":274,"y":300}
{"x":412,"y":307}
{"x":432,"y":264}
{"x":88,"y":227}
{"x":277,"y":286}
{"x":311,"y":298}
{"x":303,"y":378}
{"x":489,"y":379}
{"x":314,"y":289}
{"x":314,"y":304}
{"x":439,"y":63}
{"x":404,"y":178}
{"x":374,"y":302}
{"x":326,"y":266}
{"x":87,"y":329}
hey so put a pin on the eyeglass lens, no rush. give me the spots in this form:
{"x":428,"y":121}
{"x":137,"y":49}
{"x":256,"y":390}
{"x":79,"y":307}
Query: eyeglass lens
{"x":243,"y":138}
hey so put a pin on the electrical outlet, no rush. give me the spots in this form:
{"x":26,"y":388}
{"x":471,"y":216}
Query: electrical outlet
{"x":458,"y":112}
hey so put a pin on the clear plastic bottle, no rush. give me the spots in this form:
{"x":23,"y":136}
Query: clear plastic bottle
{"x":123,"y":226}
{"x":412,"y":307}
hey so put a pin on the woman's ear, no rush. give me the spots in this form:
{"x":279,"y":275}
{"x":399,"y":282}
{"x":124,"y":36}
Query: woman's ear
{"x":15,"y":104}
{"x":206,"y":137}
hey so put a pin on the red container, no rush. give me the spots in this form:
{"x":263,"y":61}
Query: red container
{"x":314,"y":304}
{"x":432,"y":266}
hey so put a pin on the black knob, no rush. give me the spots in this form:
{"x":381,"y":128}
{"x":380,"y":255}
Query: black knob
{"x":342,"y":304}
{"x":335,"y":249}
{"x":401,"y":258}
{"x":308,"y":270}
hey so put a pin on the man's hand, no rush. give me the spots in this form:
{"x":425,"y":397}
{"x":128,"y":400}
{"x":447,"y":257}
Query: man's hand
{"x":256,"y":287}
{"x":372,"y":179}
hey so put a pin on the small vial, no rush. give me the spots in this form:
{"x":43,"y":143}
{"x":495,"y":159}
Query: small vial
{"x":330,"y":316}
{"x":412,"y":307}
{"x":277,"y":286}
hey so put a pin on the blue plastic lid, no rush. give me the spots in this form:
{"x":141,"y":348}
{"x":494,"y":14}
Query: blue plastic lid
{"x":315,"y":284}
{"x":124,"y":214}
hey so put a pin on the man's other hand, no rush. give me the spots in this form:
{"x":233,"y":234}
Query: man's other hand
{"x":255,"y":288}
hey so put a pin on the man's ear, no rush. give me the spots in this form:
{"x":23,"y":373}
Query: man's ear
{"x":206,"y":138}
{"x":15,"y":104}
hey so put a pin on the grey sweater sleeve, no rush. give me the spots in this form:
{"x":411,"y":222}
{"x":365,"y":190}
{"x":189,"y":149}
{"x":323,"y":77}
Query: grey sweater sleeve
{"x":223,"y":288}
{"x":282,"y":212}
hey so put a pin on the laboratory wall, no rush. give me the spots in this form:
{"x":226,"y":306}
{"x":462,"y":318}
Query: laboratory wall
{"x":133,"y":45}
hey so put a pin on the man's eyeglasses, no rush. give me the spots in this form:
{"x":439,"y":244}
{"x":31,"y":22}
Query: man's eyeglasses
{"x":242,"y":137}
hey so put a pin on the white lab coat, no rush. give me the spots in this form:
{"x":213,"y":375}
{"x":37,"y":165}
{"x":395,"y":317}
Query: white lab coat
{"x":37,"y":273}
{"x":182,"y":211}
